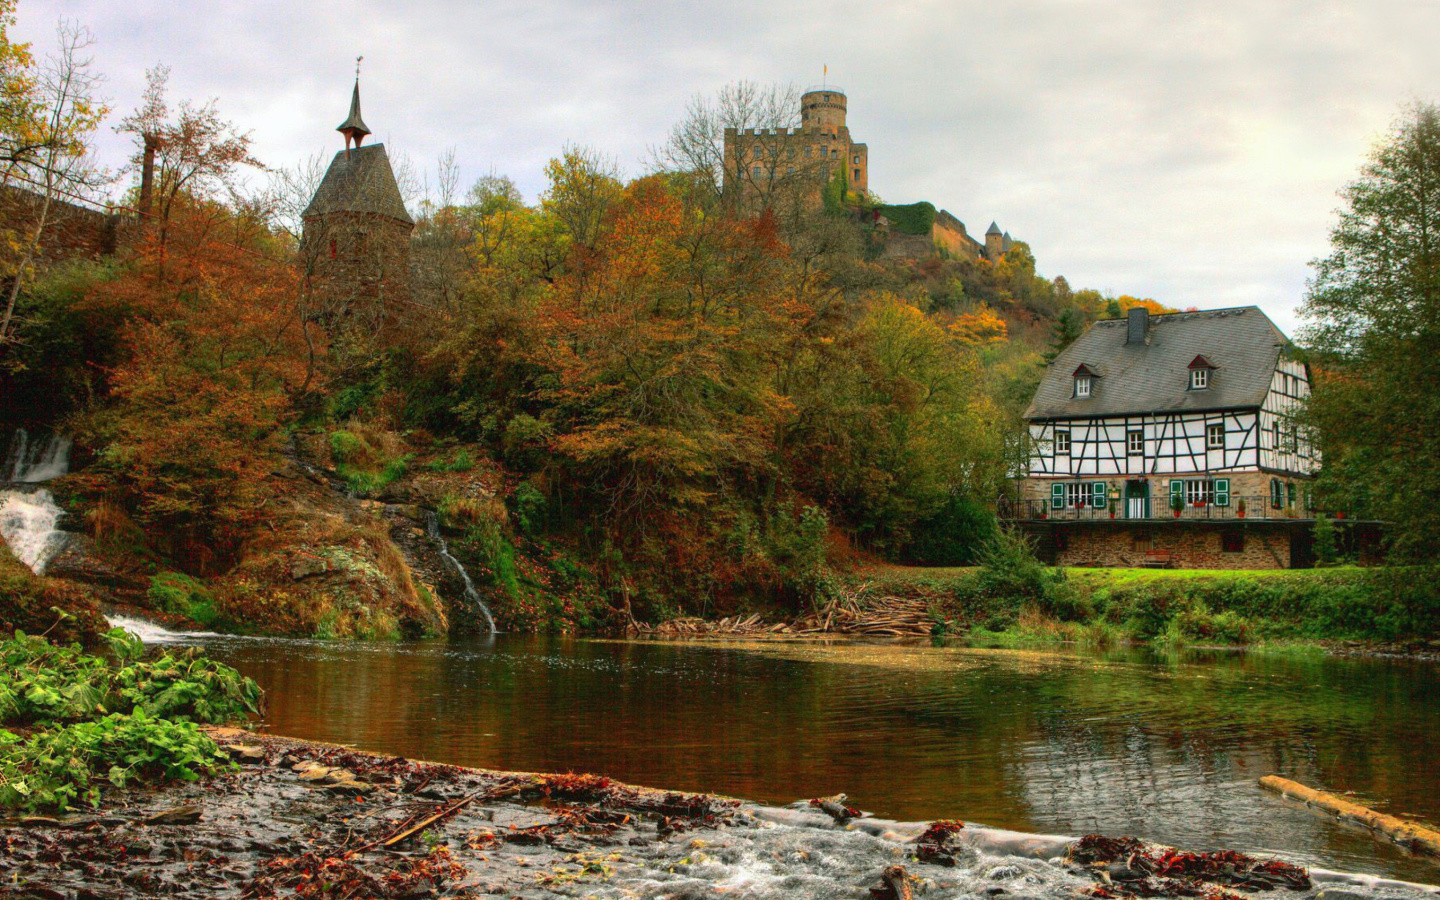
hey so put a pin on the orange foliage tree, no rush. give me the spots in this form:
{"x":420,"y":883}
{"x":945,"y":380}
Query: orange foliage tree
{"x":218,"y":354}
{"x":661,"y":344}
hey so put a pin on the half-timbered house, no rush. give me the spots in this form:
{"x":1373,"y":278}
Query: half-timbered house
{"x":1171,"y":440}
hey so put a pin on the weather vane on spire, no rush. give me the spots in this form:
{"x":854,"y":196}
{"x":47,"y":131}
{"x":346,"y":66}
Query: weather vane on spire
{"x":354,"y":127}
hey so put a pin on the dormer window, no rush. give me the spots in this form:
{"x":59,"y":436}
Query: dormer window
{"x":1084,"y":381}
{"x":1082,"y":386}
{"x":1200,"y":371}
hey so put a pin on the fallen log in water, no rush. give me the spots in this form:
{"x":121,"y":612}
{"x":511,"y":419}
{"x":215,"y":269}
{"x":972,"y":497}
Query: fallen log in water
{"x":1408,"y":834}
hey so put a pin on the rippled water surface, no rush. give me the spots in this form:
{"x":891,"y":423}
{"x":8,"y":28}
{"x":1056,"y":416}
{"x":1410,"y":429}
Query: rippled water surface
{"x":1166,"y":747}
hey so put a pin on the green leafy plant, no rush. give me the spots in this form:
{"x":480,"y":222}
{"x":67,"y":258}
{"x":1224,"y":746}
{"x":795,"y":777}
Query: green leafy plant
{"x":60,"y":769}
{"x":42,"y":683}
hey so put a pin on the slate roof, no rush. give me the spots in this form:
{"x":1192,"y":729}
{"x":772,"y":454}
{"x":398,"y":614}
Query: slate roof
{"x":1242,"y":343}
{"x":353,"y":122}
{"x":360,"y":180}
{"x":993,"y":229}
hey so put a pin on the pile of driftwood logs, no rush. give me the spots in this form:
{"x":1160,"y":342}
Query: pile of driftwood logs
{"x":881,"y":617}
{"x":846,"y":613}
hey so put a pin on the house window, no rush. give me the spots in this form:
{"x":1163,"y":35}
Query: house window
{"x":1135,"y":443}
{"x":1214,"y":437}
{"x":1078,"y":495}
{"x":857,"y":174}
{"x":857,"y":159}
{"x":758,"y":170}
{"x":789,"y":170}
{"x":1082,"y":386}
{"x":1277,"y":494}
{"x":1232,"y":542}
{"x":1199,"y":492}
{"x":1199,"y":379}
{"x":1062,"y":442}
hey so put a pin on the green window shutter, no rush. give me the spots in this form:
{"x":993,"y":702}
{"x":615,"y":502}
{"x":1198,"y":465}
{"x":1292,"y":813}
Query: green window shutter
{"x":1222,"y":492}
{"x":1057,"y":496}
{"x":1097,"y":495}
{"x":1290,"y":493}
{"x":1177,"y":493}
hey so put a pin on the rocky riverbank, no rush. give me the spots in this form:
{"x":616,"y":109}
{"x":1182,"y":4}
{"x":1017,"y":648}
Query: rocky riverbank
{"x":301,"y":819}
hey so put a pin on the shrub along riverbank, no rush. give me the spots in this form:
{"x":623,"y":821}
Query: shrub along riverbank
{"x":73,"y":725}
{"x":1014,"y":599}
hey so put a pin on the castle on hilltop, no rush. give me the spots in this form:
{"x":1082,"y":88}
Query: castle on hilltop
{"x":760,"y":160}
{"x":764,"y":164}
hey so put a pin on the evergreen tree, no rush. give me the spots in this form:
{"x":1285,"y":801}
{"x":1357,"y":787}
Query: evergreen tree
{"x":1067,"y":329}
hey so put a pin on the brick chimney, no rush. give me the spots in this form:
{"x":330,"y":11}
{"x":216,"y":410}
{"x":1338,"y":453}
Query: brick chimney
{"x":147,"y":174}
{"x":1138,"y":326}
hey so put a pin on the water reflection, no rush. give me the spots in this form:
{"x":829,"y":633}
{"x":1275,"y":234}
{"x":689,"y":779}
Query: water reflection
{"x":1165,"y":746}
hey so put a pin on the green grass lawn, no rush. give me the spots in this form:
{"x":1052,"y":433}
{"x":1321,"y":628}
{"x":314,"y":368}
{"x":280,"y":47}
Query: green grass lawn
{"x":1106,"y":576}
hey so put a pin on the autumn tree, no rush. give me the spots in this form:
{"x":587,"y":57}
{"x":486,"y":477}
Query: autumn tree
{"x":48,"y":118}
{"x":196,"y":152}
{"x":583,"y":185}
{"x":217,"y":353}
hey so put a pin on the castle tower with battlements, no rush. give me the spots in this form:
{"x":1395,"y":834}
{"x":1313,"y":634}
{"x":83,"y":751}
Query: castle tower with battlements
{"x":762,"y":164}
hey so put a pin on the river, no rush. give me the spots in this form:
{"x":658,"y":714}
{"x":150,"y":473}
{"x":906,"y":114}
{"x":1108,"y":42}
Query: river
{"x":1166,"y":746}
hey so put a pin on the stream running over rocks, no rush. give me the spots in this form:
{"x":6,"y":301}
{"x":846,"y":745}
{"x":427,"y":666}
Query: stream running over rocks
{"x":1166,"y":746}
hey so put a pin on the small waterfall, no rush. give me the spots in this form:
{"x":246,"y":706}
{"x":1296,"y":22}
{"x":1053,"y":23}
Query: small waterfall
{"x":151,"y":633}
{"x":29,"y":517}
{"x":432,"y":526}
{"x":34,"y":460}
{"x":28,"y":521}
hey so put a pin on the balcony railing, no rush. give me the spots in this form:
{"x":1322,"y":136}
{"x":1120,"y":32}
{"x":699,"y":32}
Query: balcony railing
{"x":1255,"y":508}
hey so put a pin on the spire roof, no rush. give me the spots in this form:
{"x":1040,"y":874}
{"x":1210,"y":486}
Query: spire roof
{"x":993,"y":229}
{"x":354,"y":126}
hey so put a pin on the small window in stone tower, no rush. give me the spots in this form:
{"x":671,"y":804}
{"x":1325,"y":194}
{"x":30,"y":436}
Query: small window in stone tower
{"x":857,"y":174}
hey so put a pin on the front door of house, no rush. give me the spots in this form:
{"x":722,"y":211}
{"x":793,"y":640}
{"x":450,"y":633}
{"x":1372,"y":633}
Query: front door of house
{"x":1137,"y":499}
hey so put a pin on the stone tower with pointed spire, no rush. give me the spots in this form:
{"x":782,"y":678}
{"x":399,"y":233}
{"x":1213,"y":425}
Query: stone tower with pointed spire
{"x":356,"y":243}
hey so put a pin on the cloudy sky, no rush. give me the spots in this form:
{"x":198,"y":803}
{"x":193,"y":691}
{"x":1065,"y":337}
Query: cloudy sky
{"x":1188,"y":152}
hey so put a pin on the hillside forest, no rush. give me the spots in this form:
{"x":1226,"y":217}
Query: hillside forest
{"x":630,"y":399}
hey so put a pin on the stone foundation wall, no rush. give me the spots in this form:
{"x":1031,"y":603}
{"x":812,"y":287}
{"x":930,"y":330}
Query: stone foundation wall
{"x":1190,"y":547}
